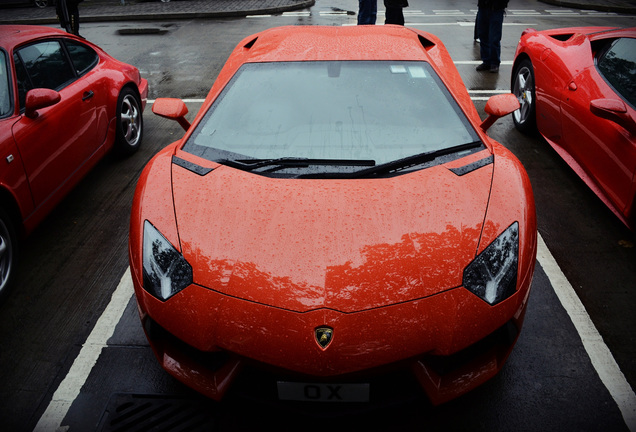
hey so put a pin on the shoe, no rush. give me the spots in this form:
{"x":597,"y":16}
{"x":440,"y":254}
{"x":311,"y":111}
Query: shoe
{"x":494,"y":69}
{"x":483,"y":67}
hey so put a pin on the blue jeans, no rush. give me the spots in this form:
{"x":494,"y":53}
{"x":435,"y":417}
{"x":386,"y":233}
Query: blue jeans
{"x":489,"y":29}
{"x":367,"y":11}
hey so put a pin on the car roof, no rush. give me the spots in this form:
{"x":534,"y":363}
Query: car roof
{"x":594,"y":33}
{"x":312,"y":43}
{"x":614,"y":33}
{"x":14,"y":35}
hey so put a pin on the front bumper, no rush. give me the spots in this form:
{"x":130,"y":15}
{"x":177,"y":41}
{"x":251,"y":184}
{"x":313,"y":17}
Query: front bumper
{"x":442,"y":378}
{"x":449,"y":343}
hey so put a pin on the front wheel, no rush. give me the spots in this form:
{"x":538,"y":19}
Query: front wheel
{"x":8,"y":251}
{"x":129,"y":123}
{"x":523,"y":87}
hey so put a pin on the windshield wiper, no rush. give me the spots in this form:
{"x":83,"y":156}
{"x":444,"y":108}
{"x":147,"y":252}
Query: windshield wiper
{"x":291,"y":162}
{"x":414,"y":160}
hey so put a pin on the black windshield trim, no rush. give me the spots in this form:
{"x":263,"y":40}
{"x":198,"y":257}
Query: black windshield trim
{"x":190,"y":166}
{"x":466,"y":169}
{"x":286,"y":162}
{"x":415,"y":160}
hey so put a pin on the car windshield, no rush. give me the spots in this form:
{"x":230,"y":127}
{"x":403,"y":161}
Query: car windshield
{"x":299,"y":118}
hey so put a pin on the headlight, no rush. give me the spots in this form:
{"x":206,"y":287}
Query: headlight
{"x":166,"y":272}
{"x":492,"y":276}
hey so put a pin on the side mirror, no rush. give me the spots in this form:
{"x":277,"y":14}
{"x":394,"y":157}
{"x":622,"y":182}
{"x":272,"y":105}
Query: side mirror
{"x":613,"y":110}
{"x":499,"y":106}
{"x":39,"y":98}
{"x":171,"y":108}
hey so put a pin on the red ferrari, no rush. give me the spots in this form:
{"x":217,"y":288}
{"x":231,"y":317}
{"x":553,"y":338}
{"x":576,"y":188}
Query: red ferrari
{"x":577,"y":87}
{"x":64,"y":103}
{"x":334,"y":225}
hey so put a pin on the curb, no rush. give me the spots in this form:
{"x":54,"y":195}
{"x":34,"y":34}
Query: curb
{"x":592,"y":6}
{"x":171,"y":15}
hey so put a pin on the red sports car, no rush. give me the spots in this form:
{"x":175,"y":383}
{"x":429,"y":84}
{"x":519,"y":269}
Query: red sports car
{"x":64,"y":103}
{"x":577,"y":86}
{"x":334,"y":221}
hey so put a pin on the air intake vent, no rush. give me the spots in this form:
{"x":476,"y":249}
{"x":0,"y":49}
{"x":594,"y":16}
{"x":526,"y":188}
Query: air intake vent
{"x":250,"y":44}
{"x":562,"y":37}
{"x":427,"y":44}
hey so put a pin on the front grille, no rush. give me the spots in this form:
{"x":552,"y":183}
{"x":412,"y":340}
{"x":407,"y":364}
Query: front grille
{"x":497,"y":344}
{"x":166,"y":341}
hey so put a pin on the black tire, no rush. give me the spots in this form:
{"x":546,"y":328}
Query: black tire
{"x":129,"y":123}
{"x":523,"y":86}
{"x":8,"y":252}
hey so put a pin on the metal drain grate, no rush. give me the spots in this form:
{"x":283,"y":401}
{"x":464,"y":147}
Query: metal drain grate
{"x":156,"y":413}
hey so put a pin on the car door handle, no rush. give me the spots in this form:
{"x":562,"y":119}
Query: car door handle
{"x":87,"y":95}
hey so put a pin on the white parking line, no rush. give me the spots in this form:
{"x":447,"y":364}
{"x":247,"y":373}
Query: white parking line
{"x":465,"y":24}
{"x":600,"y":355}
{"x":473,"y":62}
{"x":548,"y":13}
{"x":297,"y":14}
{"x":70,"y":388}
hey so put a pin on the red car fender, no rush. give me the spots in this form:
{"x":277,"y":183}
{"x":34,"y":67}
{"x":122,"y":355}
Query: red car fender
{"x":550,"y":84}
{"x":512,"y":200}
{"x":149,"y":203}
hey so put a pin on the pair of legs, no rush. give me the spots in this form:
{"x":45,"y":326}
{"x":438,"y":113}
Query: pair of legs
{"x":368,"y":10}
{"x":489,"y":27}
{"x":68,"y":14}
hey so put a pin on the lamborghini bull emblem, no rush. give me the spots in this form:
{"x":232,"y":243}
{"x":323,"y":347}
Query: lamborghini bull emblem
{"x":323,"y":336}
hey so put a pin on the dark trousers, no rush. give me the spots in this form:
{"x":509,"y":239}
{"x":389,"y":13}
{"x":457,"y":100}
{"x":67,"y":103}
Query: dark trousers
{"x":367,"y":11}
{"x":394,"y":15}
{"x":68,"y":14}
{"x":489,"y":28}
{"x":73,"y":12}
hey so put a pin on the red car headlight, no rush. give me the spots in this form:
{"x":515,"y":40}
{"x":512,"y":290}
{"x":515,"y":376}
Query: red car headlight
{"x":492,"y":275}
{"x":165,"y":271}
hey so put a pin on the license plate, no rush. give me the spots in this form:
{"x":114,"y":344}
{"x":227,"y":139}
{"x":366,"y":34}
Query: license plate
{"x":321,"y":392}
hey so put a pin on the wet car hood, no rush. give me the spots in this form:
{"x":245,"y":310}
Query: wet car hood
{"x":346,"y":245}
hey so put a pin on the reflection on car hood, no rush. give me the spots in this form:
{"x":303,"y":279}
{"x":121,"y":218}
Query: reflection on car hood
{"x":346,"y":245}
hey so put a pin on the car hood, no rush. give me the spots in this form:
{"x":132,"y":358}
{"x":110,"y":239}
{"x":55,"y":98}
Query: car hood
{"x":346,"y":245}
